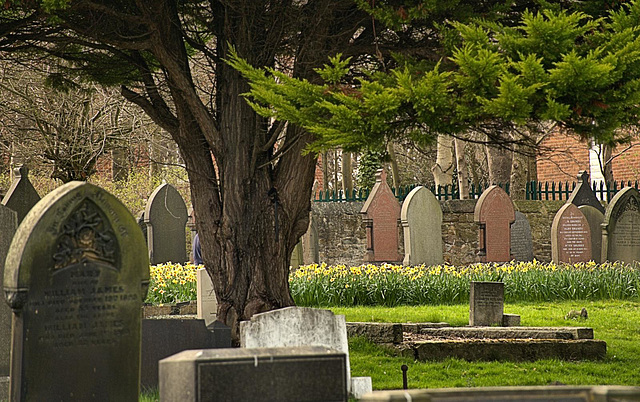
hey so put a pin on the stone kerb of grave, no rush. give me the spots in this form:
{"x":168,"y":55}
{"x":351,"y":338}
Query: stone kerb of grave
{"x":583,"y":194}
{"x":166,"y":218}
{"x":421,"y":218}
{"x":75,"y":276}
{"x":621,"y":228}
{"x":21,"y":196}
{"x":494,"y":212}
{"x":381,"y":212}
{"x":570,"y":236}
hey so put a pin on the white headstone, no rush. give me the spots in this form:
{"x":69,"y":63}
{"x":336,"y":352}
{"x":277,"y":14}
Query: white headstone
{"x":421,"y":218}
{"x":207,"y":304}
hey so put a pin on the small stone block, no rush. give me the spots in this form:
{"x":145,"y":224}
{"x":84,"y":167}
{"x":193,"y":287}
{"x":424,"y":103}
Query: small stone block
{"x":510,"y":320}
{"x":377,"y":332}
{"x":360,"y":386}
{"x":254,"y":374}
{"x":486,"y":301}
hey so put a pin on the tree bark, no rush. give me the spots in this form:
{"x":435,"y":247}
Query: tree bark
{"x":395,"y":175}
{"x":463,"y":173}
{"x":443,"y":169}
{"x":499,"y":161}
{"x":347,"y":173}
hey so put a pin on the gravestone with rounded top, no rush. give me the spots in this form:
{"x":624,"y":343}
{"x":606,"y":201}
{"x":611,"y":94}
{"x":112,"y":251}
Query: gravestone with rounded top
{"x":621,"y":227}
{"x":521,"y":240}
{"x":595,"y":219}
{"x":570,"y":236}
{"x":310,"y":249}
{"x":166,"y":218}
{"x":76,"y":275}
{"x":421,"y":218}
{"x":494,"y":213}
{"x":21,"y":196}
{"x":9,"y":223}
{"x":381,"y":212}
{"x":583,"y":194}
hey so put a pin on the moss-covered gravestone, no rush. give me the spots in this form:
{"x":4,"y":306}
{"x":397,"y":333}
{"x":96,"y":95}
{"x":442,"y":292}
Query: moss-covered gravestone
{"x":75,"y":277}
{"x":621,"y":228}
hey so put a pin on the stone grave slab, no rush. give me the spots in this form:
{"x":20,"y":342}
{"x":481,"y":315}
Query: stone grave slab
{"x":21,"y":196}
{"x":594,"y":218}
{"x":621,"y":228}
{"x":583,"y":194}
{"x":207,"y":303}
{"x":421,"y":218}
{"x":521,"y":239}
{"x":75,"y":277}
{"x":9,"y":223}
{"x":296,"y":256}
{"x":166,"y":218}
{"x":570,"y":236}
{"x":494,"y":213}
{"x":381,"y":212}
{"x":486,"y":302}
{"x":310,"y":247}
{"x":291,"y":374}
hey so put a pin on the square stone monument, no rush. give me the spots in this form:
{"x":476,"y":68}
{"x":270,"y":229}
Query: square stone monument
{"x":621,"y":228}
{"x":421,"y":218}
{"x":381,"y":213}
{"x":494,"y":213}
{"x":570,"y":236}
{"x":75,"y":276}
{"x":486,"y":304}
{"x":207,"y":303}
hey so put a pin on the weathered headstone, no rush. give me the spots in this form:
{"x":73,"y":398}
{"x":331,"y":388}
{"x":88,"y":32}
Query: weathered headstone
{"x":9,"y":223}
{"x":310,"y":248}
{"x":292,"y":374}
{"x":583,"y":194}
{"x":207,"y":303}
{"x":595,"y":219}
{"x":486,"y":303}
{"x":521,"y":239}
{"x":381,"y":212}
{"x":421,"y":218}
{"x":75,"y":277}
{"x":494,"y":213}
{"x":296,"y":326}
{"x":21,"y":196}
{"x":621,"y":228}
{"x":166,"y":219}
{"x":570,"y":236}
{"x":296,"y":256}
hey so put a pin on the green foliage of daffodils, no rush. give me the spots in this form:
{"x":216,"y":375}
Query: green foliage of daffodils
{"x":172,"y":283}
{"x":394,"y":285}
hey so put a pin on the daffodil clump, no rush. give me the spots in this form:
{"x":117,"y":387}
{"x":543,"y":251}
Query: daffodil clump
{"x":172,"y":283}
{"x":393,"y":285}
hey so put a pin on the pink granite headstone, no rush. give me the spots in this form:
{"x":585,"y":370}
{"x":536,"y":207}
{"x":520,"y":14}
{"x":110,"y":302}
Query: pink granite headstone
{"x":381,"y":213}
{"x":570,"y":236}
{"x":494,"y":213}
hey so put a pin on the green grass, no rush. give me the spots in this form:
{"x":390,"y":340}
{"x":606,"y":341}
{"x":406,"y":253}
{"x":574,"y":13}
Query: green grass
{"x":616,"y":322}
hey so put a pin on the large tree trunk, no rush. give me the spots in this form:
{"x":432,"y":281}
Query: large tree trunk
{"x":347,"y":174}
{"x":443,"y":169}
{"x":499,"y":161}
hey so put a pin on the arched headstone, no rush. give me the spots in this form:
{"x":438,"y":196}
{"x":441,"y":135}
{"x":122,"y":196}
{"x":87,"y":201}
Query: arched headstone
{"x":166,"y":218}
{"x":570,"y":236}
{"x":421,"y":218}
{"x":583,"y":194}
{"x":494,"y":213}
{"x":595,"y":219}
{"x":75,"y":277}
{"x":21,"y":196}
{"x":621,"y":227}
{"x":521,"y":239}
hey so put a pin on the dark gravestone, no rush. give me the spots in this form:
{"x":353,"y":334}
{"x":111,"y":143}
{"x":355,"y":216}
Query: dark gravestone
{"x":75,"y":277}
{"x":296,"y":374}
{"x":166,"y":219}
{"x":521,"y":240}
{"x":9,"y":223}
{"x":570,"y":236}
{"x":494,"y":213}
{"x":486,"y":303}
{"x":583,"y":194}
{"x":21,"y":196}
{"x":621,"y":228}
{"x":163,"y":337}
{"x":381,"y":214}
{"x":595,"y":219}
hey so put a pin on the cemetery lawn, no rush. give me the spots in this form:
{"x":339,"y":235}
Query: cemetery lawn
{"x":615,"y":321}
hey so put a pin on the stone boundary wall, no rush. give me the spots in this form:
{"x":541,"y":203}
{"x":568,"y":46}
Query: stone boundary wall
{"x":342,"y":240}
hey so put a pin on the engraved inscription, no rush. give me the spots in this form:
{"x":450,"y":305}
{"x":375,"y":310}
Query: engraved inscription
{"x":574,"y":234}
{"x":627,"y":230}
